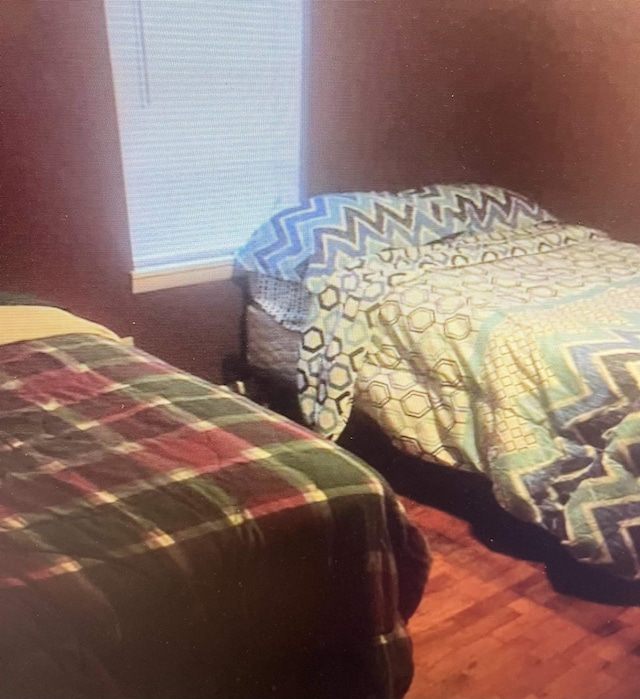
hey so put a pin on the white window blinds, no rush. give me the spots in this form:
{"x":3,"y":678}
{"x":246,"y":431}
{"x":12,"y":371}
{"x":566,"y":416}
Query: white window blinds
{"x":208,"y":97}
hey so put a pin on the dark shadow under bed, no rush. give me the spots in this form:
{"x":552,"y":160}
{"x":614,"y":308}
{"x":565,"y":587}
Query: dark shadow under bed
{"x":469,"y":497}
{"x":465,"y":495}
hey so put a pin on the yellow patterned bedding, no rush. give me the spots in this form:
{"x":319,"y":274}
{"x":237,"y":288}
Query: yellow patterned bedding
{"x":21,"y":323}
{"x":515,"y":352}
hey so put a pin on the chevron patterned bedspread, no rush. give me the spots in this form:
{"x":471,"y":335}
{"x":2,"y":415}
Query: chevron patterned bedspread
{"x":515,"y":352}
{"x":162,"y":537}
{"x":329,"y":230}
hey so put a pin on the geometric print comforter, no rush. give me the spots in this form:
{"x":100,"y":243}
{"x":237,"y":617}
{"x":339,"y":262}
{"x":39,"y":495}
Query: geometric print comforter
{"x":514,"y":352}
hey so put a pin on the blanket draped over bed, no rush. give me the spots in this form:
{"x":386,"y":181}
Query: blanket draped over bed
{"x":161,"y":537}
{"x":513,"y":351}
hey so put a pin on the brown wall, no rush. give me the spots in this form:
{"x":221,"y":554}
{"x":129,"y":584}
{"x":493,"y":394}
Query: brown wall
{"x":539,"y":95}
{"x":197,"y":328}
{"x":63,"y":222}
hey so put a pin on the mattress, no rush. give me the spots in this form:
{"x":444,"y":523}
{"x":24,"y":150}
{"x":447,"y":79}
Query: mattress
{"x":272,"y":349}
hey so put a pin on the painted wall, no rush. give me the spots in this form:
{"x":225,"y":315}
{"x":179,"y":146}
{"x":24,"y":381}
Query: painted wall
{"x":63,"y":222}
{"x":543,"y":97}
{"x":540,"y":96}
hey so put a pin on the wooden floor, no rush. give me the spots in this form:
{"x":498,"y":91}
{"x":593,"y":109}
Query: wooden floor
{"x":492,"y":625}
{"x":507,"y":613}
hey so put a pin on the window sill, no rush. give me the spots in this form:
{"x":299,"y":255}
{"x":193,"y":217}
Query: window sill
{"x":142,"y":282}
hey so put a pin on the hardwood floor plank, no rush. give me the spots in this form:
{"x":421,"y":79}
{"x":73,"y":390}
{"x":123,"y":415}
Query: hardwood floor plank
{"x":492,"y":626}
{"x":566,"y":684}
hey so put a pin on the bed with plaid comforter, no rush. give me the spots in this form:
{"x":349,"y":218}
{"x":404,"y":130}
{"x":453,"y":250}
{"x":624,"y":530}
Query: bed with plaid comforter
{"x":162,"y":537}
{"x":511,"y":351}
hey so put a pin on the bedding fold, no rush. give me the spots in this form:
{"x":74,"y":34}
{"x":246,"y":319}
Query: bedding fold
{"x":19,"y":323}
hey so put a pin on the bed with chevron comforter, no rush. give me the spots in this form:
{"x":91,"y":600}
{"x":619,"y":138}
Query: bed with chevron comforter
{"x":163,"y":537}
{"x":510,"y":347}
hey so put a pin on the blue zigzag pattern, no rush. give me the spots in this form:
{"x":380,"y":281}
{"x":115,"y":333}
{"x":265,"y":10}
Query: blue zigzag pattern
{"x":588,"y":358}
{"x":314,"y":237}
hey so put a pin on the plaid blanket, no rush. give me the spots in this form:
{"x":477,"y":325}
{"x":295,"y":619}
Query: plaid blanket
{"x":162,"y":537}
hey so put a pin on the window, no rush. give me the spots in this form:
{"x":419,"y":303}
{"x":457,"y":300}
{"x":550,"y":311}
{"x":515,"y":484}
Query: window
{"x":208,"y":96}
